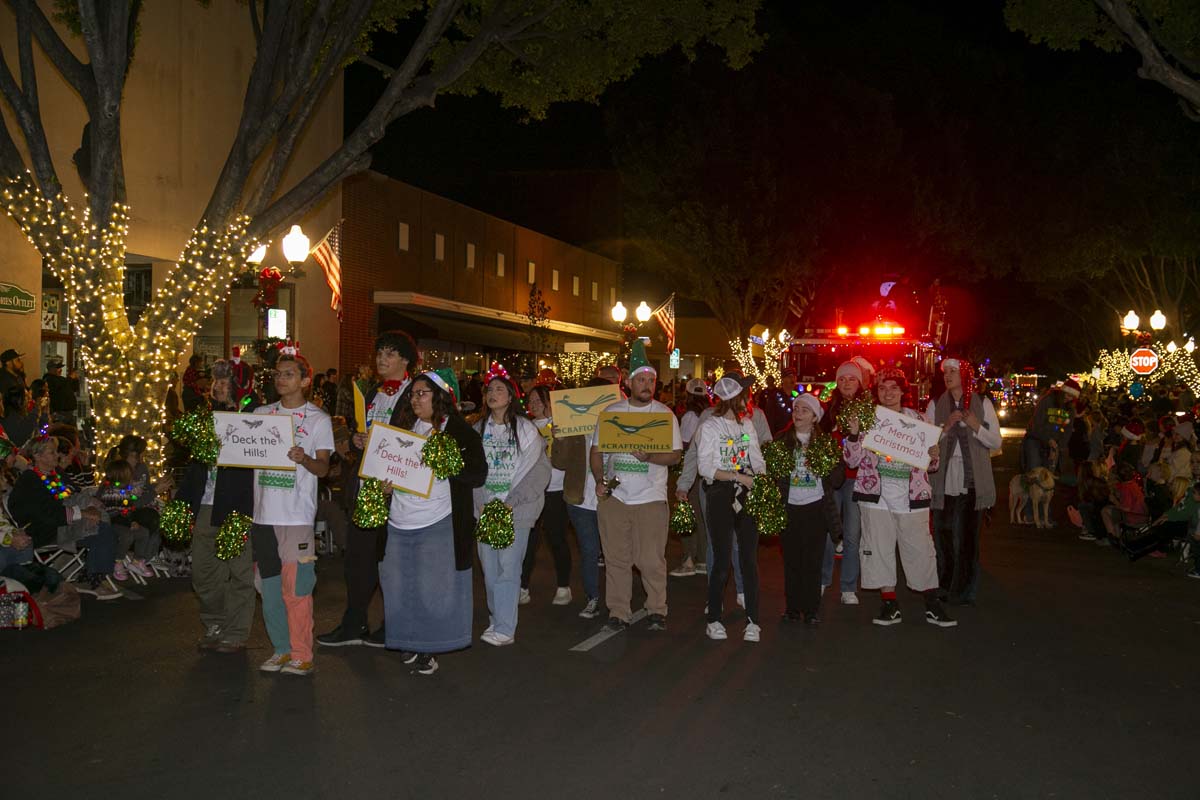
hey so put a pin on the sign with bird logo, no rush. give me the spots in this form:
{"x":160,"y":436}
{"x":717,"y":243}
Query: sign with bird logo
{"x":575,"y":410}
{"x":901,"y":438}
{"x":393,"y":455}
{"x":627,"y":431}
{"x":261,"y":441}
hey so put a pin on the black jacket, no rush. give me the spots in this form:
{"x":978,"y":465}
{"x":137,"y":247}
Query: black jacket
{"x":829,"y":484}
{"x":31,"y":505}
{"x":472,"y":476}
{"x":234,"y":490}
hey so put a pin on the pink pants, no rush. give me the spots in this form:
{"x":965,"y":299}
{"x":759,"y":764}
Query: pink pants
{"x":296,"y":542}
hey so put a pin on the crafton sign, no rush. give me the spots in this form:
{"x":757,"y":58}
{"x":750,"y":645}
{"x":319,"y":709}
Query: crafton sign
{"x":15,"y":300}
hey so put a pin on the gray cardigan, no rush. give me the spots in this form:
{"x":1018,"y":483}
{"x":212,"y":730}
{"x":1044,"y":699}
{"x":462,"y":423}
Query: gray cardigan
{"x":527,"y":497}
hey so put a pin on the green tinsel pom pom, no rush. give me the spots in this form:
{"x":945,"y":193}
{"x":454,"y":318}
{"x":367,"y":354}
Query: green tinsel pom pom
{"x":861,"y":408}
{"x":175,"y":523}
{"x":822,"y":454}
{"x":371,"y":510}
{"x":441,"y":454}
{"x":495,"y":526}
{"x":683,"y":519}
{"x":766,"y":506}
{"x":778,"y":458}
{"x":194,"y":430}
{"x":232,"y":536}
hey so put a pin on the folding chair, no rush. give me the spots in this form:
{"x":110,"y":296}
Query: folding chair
{"x":67,"y":559}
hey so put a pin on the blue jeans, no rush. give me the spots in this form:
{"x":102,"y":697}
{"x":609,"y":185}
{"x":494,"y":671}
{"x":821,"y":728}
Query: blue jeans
{"x":851,"y":530}
{"x":737,"y":552}
{"x":101,"y":550}
{"x":502,"y":580}
{"x":587,"y":531}
{"x":1033,"y":454}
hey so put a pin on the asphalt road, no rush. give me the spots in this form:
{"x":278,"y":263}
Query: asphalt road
{"x":1075,"y":676}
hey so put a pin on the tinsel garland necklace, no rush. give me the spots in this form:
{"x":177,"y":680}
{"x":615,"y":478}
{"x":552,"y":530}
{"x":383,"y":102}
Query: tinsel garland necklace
{"x":53,"y":483}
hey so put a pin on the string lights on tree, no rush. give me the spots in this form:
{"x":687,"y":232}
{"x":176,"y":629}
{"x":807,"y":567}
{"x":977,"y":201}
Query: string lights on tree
{"x":129,"y":366}
{"x":773,"y":347}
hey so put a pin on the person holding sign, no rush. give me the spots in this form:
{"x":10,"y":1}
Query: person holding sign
{"x":518,"y":474}
{"x":224,"y":588}
{"x":728,"y":458}
{"x":285,"y":506}
{"x":812,"y":514}
{"x":632,"y":490}
{"x":395,"y":353}
{"x":425,"y":575}
{"x":893,"y":499}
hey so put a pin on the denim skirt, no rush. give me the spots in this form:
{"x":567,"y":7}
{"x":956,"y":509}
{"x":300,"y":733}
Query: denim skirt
{"x":427,"y":603}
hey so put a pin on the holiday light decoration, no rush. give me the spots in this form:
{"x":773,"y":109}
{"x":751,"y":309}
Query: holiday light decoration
{"x":1112,"y":369}
{"x":773,"y":347}
{"x":683,"y":519}
{"x":129,"y":367}
{"x":576,"y":369}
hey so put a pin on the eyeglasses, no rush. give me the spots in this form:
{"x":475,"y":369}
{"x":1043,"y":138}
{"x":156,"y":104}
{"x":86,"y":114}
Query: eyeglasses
{"x":419,"y":393}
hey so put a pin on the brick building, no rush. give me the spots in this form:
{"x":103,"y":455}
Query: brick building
{"x":459,"y":280}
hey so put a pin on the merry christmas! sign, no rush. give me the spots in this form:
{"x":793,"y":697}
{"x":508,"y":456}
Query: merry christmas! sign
{"x":261,"y":441}
{"x":902,"y":438}
{"x":393,"y":455}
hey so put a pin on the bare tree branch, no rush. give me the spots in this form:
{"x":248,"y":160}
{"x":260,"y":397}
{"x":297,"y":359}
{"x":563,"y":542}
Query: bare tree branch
{"x":31,"y":130}
{"x":255,"y":22}
{"x":1155,"y":66}
{"x":72,"y":69}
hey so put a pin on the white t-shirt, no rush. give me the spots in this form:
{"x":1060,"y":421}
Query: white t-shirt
{"x":210,"y":487}
{"x":410,"y":512}
{"x":380,"y":409}
{"x":803,"y":486}
{"x":508,"y":460}
{"x":290,"y":498}
{"x":688,"y":426}
{"x":546,"y":428}
{"x":988,"y":435}
{"x":641,"y":481}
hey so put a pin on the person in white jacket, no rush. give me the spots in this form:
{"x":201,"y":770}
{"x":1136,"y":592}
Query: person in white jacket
{"x":728,"y":457}
{"x":518,"y":473}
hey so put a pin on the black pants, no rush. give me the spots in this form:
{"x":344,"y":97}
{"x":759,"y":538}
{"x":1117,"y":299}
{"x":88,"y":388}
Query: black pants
{"x":1159,"y":537}
{"x":553,"y":523}
{"x":956,"y":529}
{"x":265,"y":548}
{"x":723,"y":525}
{"x":803,"y":543}
{"x":364,"y":551}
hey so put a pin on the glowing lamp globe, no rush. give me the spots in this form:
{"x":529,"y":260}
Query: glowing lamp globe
{"x":1131,"y":321}
{"x":618,"y":312}
{"x":295,"y":245}
{"x":258,"y":255}
{"x":1158,"y":320}
{"x":642,"y":312}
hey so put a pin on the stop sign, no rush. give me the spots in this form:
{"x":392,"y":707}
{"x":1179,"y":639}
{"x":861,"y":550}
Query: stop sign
{"x":1143,"y":361}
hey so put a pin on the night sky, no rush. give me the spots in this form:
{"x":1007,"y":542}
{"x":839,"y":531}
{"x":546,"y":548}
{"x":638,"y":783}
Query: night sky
{"x":969,"y":154}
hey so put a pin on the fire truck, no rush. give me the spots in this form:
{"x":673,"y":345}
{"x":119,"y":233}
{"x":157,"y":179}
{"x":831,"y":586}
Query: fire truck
{"x":883,"y":339}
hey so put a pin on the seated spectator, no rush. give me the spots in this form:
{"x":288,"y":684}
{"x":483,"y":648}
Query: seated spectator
{"x":18,"y":423}
{"x":133,"y":519}
{"x":53,"y":513}
{"x":1175,"y":523}
{"x":1127,"y":506}
{"x":1094,"y":491}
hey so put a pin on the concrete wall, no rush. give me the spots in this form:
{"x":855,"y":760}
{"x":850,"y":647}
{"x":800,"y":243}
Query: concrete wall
{"x":182,"y":104}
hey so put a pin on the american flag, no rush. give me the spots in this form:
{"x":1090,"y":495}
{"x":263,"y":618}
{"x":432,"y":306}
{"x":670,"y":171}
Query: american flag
{"x":665,"y":314}
{"x":329,"y":255}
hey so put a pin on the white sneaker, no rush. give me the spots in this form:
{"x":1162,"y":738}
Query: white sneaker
{"x":525,"y":597}
{"x":752,"y":632}
{"x":496,"y":639}
{"x":591,"y":610}
{"x":562,"y":596}
{"x":849,"y":599}
{"x":741,"y":600}
{"x":715,"y":631}
{"x":684,"y":570}
{"x":275,"y":663}
{"x":824,"y":586}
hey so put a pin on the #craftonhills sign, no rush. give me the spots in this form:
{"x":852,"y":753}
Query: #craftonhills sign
{"x":15,"y":300}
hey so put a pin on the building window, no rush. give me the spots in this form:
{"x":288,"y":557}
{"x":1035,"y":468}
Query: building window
{"x":439,"y":247}
{"x":553,"y":279}
{"x":612,"y":295}
{"x":575,"y":285}
{"x":499,"y":265}
{"x":595,"y":291}
{"x":402,"y":240}
{"x":470,"y":256}
{"x":532,"y":272}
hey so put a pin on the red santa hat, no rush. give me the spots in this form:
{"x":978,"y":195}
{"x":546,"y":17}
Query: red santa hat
{"x":1133,"y":430}
{"x":853,"y":369}
{"x":1071,"y":387}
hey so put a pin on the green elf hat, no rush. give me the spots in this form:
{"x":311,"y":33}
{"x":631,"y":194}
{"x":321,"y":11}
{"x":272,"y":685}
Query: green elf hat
{"x":446,"y":379}
{"x":637,"y":359}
